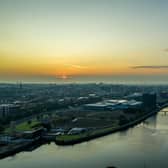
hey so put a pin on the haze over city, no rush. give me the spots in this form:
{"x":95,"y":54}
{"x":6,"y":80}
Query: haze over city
{"x":83,"y":84}
{"x":49,"y":40}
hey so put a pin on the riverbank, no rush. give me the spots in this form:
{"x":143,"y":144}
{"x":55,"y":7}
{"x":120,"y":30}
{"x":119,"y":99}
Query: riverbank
{"x":121,"y":149}
{"x":13,"y":149}
{"x":72,"y":140}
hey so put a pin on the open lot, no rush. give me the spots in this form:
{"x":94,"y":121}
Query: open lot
{"x":25,"y":126}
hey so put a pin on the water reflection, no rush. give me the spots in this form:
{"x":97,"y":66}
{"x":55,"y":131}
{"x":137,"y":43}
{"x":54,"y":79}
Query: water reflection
{"x":145,"y":145}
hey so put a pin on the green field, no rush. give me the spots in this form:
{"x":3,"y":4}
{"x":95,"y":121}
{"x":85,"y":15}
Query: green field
{"x":25,"y":126}
{"x":70,"y":137}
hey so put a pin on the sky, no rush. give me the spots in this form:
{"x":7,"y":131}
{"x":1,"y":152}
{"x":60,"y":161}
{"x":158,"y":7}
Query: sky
{"x":61,"y":39}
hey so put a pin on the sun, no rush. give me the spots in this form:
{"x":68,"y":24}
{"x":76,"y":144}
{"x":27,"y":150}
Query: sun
{"x":64,"y":77}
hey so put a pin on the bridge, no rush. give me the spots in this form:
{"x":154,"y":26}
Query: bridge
{"x":163,"y":108}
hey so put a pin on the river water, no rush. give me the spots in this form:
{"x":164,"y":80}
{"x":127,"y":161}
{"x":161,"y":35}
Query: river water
{"x":144,"y":146}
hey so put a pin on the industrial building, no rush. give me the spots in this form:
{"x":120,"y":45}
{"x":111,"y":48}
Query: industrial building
{"x":75,"y":131}
{"x":8,"y":110}
{"x":149,"y":100}
{"x":114,"y":105}
{"x":96,"y":106}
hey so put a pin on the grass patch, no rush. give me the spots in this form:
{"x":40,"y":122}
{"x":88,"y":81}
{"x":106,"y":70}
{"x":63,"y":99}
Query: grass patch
{"x":104,"y":130}
{"x":67,"y":138}
{"x":25,"y":126}
{"x":70,"y":137}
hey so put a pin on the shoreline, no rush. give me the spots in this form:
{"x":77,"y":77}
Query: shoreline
{"x":16,"y":149}
{"x":26,"y":146}
{"x":99,"y":135}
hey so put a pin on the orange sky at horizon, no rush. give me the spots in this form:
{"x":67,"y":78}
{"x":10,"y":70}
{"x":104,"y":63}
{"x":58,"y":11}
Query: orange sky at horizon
{"x":55,"y":38}
{"x":93,"y":66}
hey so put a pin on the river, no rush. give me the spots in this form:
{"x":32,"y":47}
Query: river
{"x":144,"y":146}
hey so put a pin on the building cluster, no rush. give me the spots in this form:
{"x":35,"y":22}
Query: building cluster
{"x":21,"y":137}
{"x":8,"y":110}
{"x":114,"y":104}
{"x":137,"y":101}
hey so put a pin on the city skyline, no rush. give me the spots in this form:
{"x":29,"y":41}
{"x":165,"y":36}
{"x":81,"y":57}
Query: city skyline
{"x":69,"y":39}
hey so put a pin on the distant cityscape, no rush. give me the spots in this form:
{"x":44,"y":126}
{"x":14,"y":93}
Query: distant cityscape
{"x":32,"y":114}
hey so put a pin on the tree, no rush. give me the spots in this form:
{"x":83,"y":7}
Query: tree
{"x":29,"y":122}
{"x":1,"y":128}
{"x":123,"y":120}
{"x":13,"y":127}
